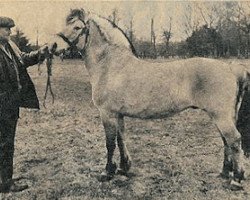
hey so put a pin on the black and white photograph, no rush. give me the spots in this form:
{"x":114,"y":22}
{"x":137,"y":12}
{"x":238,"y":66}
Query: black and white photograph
{"x":124,"y":100}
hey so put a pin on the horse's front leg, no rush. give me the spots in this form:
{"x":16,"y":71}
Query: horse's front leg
{"x":125,"y":162}
{"x":110,"y":126}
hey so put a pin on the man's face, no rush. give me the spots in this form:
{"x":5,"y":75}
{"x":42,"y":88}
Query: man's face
{"x":5,"y":33}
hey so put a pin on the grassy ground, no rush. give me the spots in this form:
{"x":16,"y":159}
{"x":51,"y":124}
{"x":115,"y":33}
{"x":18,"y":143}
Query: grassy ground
{"x":60,"y":151}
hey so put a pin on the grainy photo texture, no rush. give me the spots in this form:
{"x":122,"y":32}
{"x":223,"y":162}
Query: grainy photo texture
{"x":124,"y":100}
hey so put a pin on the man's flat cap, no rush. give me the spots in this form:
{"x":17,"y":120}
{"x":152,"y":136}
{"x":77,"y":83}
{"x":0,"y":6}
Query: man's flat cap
{"x":6,"y":22}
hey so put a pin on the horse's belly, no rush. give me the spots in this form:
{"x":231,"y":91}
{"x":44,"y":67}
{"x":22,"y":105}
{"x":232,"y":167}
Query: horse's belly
{"x":153,"y":109}
{"x":151,"y":114}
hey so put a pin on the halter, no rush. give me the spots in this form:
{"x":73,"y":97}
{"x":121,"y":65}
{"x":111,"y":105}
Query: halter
{"x":73,"y":44}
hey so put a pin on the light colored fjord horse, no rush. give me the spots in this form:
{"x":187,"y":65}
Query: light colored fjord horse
{"x":123,"y":85}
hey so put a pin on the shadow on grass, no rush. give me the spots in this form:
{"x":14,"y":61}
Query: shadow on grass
{"x":73,"y":90}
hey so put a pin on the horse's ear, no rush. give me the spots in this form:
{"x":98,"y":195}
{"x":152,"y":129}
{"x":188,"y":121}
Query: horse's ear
{"x":87,"y":16}
{"x":82,"y":14}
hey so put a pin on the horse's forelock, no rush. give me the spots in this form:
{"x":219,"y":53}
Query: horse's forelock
{"x":79,"y":13}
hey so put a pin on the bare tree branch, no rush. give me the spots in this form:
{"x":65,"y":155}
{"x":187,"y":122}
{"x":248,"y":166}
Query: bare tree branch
{"x":202,"y":15}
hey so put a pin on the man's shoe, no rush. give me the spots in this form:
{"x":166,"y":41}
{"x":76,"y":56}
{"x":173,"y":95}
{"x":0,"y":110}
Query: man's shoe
{"x":13,"y":187}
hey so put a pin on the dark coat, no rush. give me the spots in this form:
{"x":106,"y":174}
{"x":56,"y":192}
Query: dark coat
{"x":10,"y":97}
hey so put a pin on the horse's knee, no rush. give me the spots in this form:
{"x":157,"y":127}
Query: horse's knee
{"x":110,"y":139}
{"x":110,"y":128}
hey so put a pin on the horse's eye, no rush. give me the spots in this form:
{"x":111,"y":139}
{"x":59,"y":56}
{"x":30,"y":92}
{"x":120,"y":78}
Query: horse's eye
{"x":77,"y":28}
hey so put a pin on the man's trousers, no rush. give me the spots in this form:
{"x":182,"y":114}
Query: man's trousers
{"x":7,"y":139}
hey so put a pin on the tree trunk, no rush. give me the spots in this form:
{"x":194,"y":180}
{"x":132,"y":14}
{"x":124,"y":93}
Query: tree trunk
{"x":153,"y":38}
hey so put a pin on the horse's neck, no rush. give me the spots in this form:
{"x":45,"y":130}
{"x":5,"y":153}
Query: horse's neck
{"x":101,"y":54}
{"x":98,"y":58}
{"x":101,"y":60}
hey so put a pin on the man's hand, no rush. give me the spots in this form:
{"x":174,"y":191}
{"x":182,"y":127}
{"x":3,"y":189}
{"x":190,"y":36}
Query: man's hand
{"x":48,"y":49}
{"x":44,"y":50}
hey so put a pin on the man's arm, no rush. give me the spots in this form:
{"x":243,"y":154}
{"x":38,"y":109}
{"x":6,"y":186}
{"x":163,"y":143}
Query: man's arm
{"x":29,"y":59}
{"x":32,"y":58}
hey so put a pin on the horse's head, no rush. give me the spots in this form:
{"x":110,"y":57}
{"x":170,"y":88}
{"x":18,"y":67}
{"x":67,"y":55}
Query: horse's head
{"x":74,"y":34}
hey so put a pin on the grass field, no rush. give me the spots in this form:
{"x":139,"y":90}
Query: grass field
{"x":60,"y":150}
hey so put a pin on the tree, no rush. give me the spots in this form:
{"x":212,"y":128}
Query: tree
{"x":114,"y":16}
{"x":223,"y":18}
{"x":243,"y":25}
{"x":231,"y":26}
{"x":190,"y":21}
{"x":205,"y":42}
{"x":21,"y":41}
{"x":167,"y":34}
{"x":153,"y":38}
{"x":144,"y":49}
{"x":131,"y":31}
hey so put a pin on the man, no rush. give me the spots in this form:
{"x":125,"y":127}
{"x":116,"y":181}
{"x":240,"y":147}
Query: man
{"x":16,"y":90}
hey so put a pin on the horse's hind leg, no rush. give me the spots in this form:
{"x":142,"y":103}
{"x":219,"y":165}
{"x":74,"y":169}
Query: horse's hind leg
{"x":110,"y":127}
{"x":233,"y":160}
{"x":125,"y":162}
{"x":227,"y":164}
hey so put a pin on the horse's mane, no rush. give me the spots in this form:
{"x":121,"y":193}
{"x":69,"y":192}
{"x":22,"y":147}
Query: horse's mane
{"x":125,"y":41}
{"x":108,"y":30}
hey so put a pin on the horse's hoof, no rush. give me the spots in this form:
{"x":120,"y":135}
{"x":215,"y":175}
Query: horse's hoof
{"x":235,"y":186}
{"x":111,"y":169}
{"x":239,"y":176}
{"x":125,"y":173}
{"x":226,"y":175}
{"x":122,"y":172}
{"x":104,"y":177}
{"x":125,"y":167}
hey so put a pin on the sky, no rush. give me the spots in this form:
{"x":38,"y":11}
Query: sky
{"x":46,"y":18}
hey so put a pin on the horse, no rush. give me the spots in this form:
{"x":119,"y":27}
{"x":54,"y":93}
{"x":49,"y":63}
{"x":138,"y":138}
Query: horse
{"x":125,"y":86}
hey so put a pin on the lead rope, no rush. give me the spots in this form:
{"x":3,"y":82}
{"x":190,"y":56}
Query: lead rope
{"x":39,"y":64}
{"x":49,"y":58}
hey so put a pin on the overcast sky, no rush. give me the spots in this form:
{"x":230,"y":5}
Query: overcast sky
{"x":48,"y":16}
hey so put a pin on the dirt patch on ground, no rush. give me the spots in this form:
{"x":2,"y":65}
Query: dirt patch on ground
{"x":60,"y":151}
